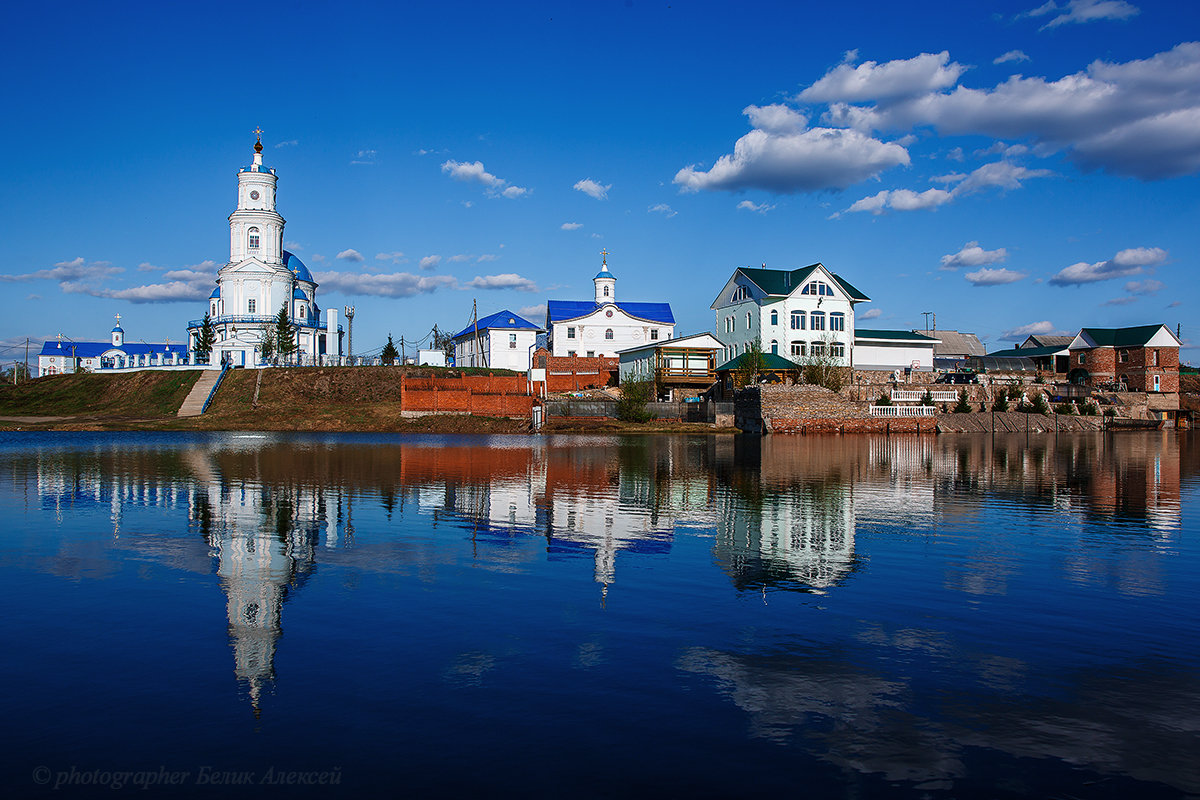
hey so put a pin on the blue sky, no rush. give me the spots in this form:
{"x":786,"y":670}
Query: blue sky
{"x":1010,"y":166}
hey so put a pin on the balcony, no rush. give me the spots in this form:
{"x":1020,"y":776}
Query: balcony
{"x":256,"y":319}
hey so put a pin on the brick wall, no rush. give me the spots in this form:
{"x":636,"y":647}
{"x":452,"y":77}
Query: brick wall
{"x":487,"y":395}
{"x":803,"y":408}
{"x":572,"y":373}
{"x":1105,"y":365}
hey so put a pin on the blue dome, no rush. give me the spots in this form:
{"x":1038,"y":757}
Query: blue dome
{"x":118,"y":328}
{"x":604,"y":273}
{"x":216,"y":293}
{"x":295,"y":265}
{"x":299,"y":294}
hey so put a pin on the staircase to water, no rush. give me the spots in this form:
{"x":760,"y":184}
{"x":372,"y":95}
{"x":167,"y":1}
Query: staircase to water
{"x":193,"y":404}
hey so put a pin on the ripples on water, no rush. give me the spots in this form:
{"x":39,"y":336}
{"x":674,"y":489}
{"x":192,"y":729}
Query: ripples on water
{"x":603,"y":616}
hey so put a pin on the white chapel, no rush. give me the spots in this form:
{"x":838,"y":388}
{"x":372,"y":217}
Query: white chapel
{"x":260,"y":279}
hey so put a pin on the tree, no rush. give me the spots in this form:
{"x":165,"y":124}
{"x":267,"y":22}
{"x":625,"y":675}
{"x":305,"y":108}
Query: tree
{"x":927,"y":398}
{"x":205,"y":339}
{"x":963,"y":406}
{"x":389,"y":354}
{"x":822,"y":368}
{"x":444,"y":342}
{"x":635,"y":394}
{"x":1001,"y":402}
{"x":17,"y":373}
{"x":751,"y":363}
{"x":268,"y":347}
{"x":285,"y":345}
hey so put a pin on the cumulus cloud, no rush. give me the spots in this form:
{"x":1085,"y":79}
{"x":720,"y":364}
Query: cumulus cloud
{"x":994,"y":277}
{"x":350,"y":255}
{"x":793,"y":159}
{"x":593,"y":188}
{"x":1125,"y":263}
{"x":288,"y":143}
{"x":757,"y":208}
{"x":662,"y":208}
{"x":474,"y":172}
{"x":383,"y":284}
{"x":486,"y":257}
{"x":972,"y":255}
{"x":927,"y":72}
{"x":1011,"y":56}
{"x":74,"y":271}
{"x":1080,"y":11}
{"x":871,"y":313}
{"x":998,"y":174}
{"x":1148,"y":286}
{"x":508,"y":280}
{"x":395,"y":257}
{"x":1137,"y":118}
{"x":571,"y":226}
{"x":534,"y":313}
{"x":294,"y":247}
{"x":188,"y":284}
{"x":1045,"y":328}
{"x":430,"y":262}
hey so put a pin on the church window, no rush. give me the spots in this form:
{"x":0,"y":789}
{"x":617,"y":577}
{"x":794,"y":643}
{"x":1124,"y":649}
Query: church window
{"x":797,"y":320}
{"x":251,"y":305}
{"x":818,"y":320}
{"x":774,"y":317}
{"x":740,"y":293}
{"x":570,"y":333}
{"x":302,"y":311}
{"x":653,"y":334}
{"x":798,"y":350}
{"x":606,"y":291}
{"x":608,"y":333}
{"x":253,"y":238}
{"x":837,"y":321}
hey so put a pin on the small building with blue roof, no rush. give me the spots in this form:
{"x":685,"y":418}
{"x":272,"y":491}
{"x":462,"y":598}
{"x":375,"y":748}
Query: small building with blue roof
{"x":602,"y":326}
{"x":63,"y":355}
{"x":503,"y":340}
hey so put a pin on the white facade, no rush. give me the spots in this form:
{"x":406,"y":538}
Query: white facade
{"x":798,"y":313}
{"x":639,"y":362}
{"x":893,"y":350}
{"x":261,"y":279}
{"x":603,"y":327}
{"x":503,"y":340}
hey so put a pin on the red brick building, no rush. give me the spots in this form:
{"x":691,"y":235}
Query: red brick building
{"x":1144,"y":358}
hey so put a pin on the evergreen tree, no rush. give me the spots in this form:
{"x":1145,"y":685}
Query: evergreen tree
{"x":268,"y":347}
{"x":389,"y":353}
{"x":284,"y":344}
{"x":963,"y":406}
{"x":205,"y":339}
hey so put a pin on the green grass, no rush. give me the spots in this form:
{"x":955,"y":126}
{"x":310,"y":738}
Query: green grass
{"x":137,"y":394}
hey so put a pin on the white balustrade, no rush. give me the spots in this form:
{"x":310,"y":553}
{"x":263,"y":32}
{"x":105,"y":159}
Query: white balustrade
{"x":903,"y":411}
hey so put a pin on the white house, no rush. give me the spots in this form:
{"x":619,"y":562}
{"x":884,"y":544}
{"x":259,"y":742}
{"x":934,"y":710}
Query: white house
{"x":262,"y":278}
{"x":503,"y":340}
{"x":794,"y":313}
{"x":603,"y":326}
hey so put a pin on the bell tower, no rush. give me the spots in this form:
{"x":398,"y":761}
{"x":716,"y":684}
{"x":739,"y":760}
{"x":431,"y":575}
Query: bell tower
{"x":255,"y":227}
{"x":605,"y":283}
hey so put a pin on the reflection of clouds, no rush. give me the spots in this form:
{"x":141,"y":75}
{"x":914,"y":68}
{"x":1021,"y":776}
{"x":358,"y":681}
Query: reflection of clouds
{"x":589,"y":655}
{"x":468,"y":669}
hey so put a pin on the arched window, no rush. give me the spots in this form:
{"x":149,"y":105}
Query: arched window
{"x":797,"y":320}
{"x":252,"y":238}
{"x":774,"y":317}
{"x":748,"y":320}
{"x":837,"y":321}
{"x":302,"y":312}
{"x":774,"y":347}
{"x":606,"y":291}
{"x":817,"y":318}
{"x":608,"y":333}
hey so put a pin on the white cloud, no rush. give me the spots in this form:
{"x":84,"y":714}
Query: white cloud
{"x":188,"y":284}
{"x":1137,"y":118}
{"x":662,"y":208}
{"x":486,"y":257}
{"x":1080,"y":11}
{"x":901,"y":200}
{"x":871,"y":313}
{"x":364,"y":157}
{"x":459,"y":258}
{"x":1045,"y":328}
{"x":350,"y":255}
{"x":758,"y":208}
{"x":994,"y":277}
{"x":73,"y":271}
{"x":288,"y":143}
{"x":1012,"y":55}
{"x":383,"y":284}
{"x":1123,"y":264}
{"x":294,"y":247}
{"x":474,"y":172}
{"x":1121,"y":301}
{"x":320,"y":259}
{"x":395,"y":257}
{"x":593,"y":188}
{"x":972,"y":255}
{"x":508,"y":280}
{"x":1148,"y":286}
{"x":535,"y":313}
{"x":430,"y":262}
{"x":927,"y":72}
{"x":571,"y":226}
{"x":998,"y":174}
{"x":800,"y":160}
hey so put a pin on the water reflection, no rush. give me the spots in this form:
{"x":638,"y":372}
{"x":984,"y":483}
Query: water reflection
{"x":943,"y":595}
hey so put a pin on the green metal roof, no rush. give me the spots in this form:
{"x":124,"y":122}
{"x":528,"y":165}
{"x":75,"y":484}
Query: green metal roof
{"x":770,"y":362}
{"x":782,"y":282}
{"x":869,"y":333}
{"x":1027,"y":352}
{"x":1121,"y":337}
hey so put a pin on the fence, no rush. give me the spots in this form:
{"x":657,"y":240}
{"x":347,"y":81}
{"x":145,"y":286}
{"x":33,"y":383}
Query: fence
{"x":685,"y":412}
{"x":902,"y":411}
{"x":914,"y":396}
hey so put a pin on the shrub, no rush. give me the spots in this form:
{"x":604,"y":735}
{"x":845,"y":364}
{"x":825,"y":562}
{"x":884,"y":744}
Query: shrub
{"x":963,"y":406}
{"x":1001,"y":402}
{"x":1110,"y":412}
{"x":927,"y":398}
{"x":884,"y":400}
{"x":1089,"y":409}
{"x":635,"y":394}
{"x":1040,"y":405}
{"x":1067,"y":409}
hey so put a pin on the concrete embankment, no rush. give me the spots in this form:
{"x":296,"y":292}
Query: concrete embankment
{"x":1015,"y":422}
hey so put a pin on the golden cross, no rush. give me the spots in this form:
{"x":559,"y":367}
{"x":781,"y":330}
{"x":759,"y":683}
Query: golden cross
{"x":118,"y":316}
{"x":258,"y":132}
{"x":604,"y":254}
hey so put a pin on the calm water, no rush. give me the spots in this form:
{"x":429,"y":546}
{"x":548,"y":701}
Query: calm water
{"x":600,"y":616}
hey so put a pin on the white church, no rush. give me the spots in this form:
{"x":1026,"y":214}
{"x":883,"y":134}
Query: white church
{"x":262,"y":278}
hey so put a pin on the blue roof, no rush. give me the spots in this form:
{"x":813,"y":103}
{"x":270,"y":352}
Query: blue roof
{"x":260,"y":168}
{"x":114,"y":330}
{"x":501,"y":319}
{"x":295,"y":265}
{"x":96,"y":349}
{"x":216,"y":293}
{"x":560,"y":310}
{"x":604,"y":273}
{"x":298,"y":294}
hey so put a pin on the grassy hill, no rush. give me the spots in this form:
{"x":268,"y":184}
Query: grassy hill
{"x":135,"y":395}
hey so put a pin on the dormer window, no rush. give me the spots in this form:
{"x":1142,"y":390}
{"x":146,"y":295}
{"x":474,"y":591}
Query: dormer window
{"x":252,"y":238}
{"x":740,"y":293}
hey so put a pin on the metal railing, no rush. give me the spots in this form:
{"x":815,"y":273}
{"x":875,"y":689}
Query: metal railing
{"x":903,"y":411}
{"x":257,"y":319}
{"x":213,"y":391}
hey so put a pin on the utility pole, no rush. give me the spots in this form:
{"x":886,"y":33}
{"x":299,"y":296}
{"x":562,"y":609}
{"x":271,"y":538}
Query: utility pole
{"x":27,"y":375}
{"x":350,"y":334}
{"x":927,"y":313}
{"x":402,"y":349}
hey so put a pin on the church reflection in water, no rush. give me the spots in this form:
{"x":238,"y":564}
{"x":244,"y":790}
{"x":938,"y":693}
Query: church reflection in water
{"x":782,"y":512}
